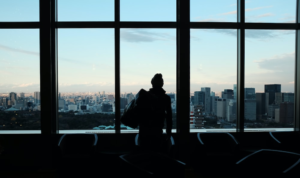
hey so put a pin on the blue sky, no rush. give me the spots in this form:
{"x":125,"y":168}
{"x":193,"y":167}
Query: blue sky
{"x":86,"y":56}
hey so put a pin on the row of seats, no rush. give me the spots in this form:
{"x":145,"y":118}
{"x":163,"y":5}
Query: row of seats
{"x":213,"y":154}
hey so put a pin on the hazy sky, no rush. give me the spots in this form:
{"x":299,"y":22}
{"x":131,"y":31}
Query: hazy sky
{"x":86,"y":56}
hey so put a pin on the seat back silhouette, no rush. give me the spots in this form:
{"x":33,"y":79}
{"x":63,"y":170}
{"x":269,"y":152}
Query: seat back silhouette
{"x":214,"y":151}
{"x":269,"y":162}
{"x":169,"y":147}
{"x":287,"y":141}
{"x":78,"y":145}
{"x":151,"y":164}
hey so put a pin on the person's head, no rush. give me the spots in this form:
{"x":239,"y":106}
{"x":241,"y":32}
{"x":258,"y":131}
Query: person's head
{"x":157,"y":81}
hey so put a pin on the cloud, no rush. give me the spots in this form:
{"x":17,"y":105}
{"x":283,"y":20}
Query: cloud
{"x":279,"y":63}
{"x":6,"y":48}
{"x":247,"y":10}
{"x":212,"y":20}
{"x":260,"y":34}
{"x":265,"y":15}
{"x":139,"y":35}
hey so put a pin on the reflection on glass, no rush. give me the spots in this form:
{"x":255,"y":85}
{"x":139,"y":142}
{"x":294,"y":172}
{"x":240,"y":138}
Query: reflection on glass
{"x":85,"y":10}
{"x":213,"y":11}
{"x":86,"y":79}
{"x":145,"y":52}
{"x":274,"y":11}
{"x":19,"y":10}
{"x":269,"y":79}
{"x":19,"y":80}
{"x":213,"y":75}
{"x":148,"y":10}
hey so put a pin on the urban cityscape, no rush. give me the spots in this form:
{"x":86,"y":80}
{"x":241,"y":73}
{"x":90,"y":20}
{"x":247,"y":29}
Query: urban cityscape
{"x":270,"y":109}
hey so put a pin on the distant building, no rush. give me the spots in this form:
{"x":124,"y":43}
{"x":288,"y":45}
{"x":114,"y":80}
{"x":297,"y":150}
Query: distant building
{"x":231,"y":110}
{"x":199,"y":98}
{"x":221,"y":108}
{"x":199,"y":116}
{"x":172,"y":96}
{"x":129,"y":97}
{"x":207,"y":105}
{"x":214,"y":105}
{"x":12,"y":97}
{"x":111,"y":97}
{"x":235,"y":91}
{"x":228,"y":94}
{"x":250,"y":93}
{"x":22,"y":95}
{"x":285,"y":113}
{"x":271,"y":110}
{"x":37,"y":97}
{"x":288,"y":97}
{"x":271,"y":89}
{"x":193,"y":100}
{"x":106,"y":107}
{"x":72,"y":107}
{"x":250,"y":110}
{"x":123,"y":103}
{"x":260,"y":105}
{"x":61,"y":104}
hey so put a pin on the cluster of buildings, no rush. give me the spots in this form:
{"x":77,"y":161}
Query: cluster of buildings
{"x":19,"y":102}
{"x":272,"y":105}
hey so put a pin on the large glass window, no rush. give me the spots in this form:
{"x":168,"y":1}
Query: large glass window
{"x":213,"y":11}
{"x":20,"y":80}
{"x":145,"y":52}
{"x":86,"y":79}
{"x":85,"y":10}
{"x":269,"y":79}
{"x":213,"y":78}
{"x":148,"y":10}
{"x":274,"y":11}
{"x":19,"y":10}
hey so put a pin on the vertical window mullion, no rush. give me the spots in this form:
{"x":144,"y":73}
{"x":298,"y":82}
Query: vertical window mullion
{"x":183,"y":78}
{"x":297,"y":73}
{"x":117,"y":68}
{"x":241,"y":65}
{"x":54,"y":64}
{"x":45,"y":68}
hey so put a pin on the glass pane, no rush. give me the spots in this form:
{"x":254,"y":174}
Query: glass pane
{"x":85,"y":10}
{"x":269,"y":79}
{"x":19,"y":10}
{"x":213,"y":75}
{"x":148,"y":10}
{"x":86,"y":79}
{"x":213,"y":11}
{"x":19,"y":80}
{"x":274,"y":11}
{"x":145,"y":52}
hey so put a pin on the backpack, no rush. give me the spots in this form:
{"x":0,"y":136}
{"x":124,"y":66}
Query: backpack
{"x":144,"y":102}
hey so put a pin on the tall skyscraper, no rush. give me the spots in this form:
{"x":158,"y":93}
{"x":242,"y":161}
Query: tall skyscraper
{"x":199,"y":98}
{"x":207,"y":105}
{"x":288,"y":97}
{"x":250,"y":94}
{"x":13,"y":97}
{"x":22,"y":95}
{"x":260,"y":105}
{"x":227,"y":94}
{"x":37,"y":97}
{"x":235,"y":91}
{"x":271,"y":89}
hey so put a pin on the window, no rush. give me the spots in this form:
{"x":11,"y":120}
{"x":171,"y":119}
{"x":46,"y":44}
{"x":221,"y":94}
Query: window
{"x":148,"y":10}
{"x":20,"y":80}
{"x":95,"y":54}
{"x":274,"y":11}
{"x":213,"y":11}
{"x":269,"y":79}
{"x":85,"y":10}
{"x":86,"y":79}
{"x":19,"y":11}
{"x":213,"y":97}
{"x":145,"y":52}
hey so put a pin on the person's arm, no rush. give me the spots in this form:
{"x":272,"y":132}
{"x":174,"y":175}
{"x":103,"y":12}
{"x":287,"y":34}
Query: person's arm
{"x":169,"y":118}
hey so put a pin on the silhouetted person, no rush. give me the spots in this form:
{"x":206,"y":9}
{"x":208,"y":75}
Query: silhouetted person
{"x":150,"y":127}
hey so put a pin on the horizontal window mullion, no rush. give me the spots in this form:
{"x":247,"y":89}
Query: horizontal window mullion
{"x":12,"y":25}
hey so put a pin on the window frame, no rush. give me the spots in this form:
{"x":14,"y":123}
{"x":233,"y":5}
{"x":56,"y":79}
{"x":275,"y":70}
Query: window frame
{"x":48,"y":26}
